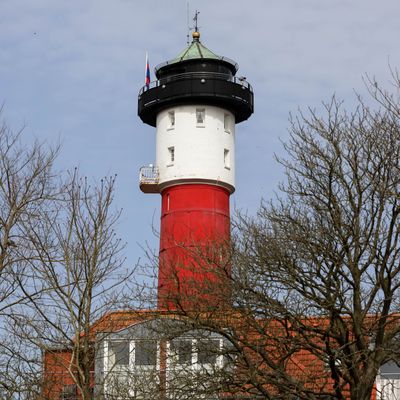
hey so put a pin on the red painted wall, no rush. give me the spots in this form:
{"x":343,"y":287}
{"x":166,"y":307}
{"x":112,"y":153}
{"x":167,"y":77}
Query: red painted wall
{"x":58,"y":370}
{"x":55,"y":373}
{"x":194,"y":242}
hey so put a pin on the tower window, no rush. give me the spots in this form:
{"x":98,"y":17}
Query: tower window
{"x":171,"y":118}
{"x":227,"y":159}
{"x":171,"y":151}
{"x":227,"y":123}
{"x":200,"y":116}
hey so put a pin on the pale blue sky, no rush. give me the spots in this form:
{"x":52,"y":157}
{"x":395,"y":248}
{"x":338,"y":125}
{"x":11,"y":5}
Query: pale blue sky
{"x":71,"y":69}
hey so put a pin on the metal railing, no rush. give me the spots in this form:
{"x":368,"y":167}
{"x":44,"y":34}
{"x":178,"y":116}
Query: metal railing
{"x":197,"y":75}
{"x":149,"y":174}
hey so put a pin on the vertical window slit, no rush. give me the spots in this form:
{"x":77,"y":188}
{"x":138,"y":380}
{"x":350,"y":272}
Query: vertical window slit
{"x":200,"y":116}
{"x":171,"y":151}
{"x":227,"y":161}
{"x":171,"y":117}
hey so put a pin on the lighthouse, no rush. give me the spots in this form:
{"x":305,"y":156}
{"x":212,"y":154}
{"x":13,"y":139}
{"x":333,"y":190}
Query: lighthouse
{"x":195,"y":104}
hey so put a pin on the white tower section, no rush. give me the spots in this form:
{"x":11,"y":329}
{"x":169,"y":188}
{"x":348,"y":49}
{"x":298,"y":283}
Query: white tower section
{"x":196,"y":144}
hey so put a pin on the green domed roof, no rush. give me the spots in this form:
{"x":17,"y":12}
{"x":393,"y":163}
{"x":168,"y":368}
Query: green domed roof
{"x":196,"y":50}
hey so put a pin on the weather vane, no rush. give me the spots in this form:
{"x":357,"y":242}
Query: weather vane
{"x":195,"y":19}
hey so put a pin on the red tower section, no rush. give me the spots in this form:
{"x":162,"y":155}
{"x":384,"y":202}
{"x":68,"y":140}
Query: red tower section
{"x":195,"y":233}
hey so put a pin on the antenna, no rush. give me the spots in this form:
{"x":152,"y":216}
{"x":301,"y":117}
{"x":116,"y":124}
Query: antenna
{"x":187,"y":23}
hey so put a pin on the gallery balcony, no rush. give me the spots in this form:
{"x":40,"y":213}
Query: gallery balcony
{"x":223,"y":90}
{"x":148,"y":179}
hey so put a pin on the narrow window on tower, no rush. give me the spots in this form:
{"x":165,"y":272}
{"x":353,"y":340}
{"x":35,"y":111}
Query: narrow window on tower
{"x":171,"y":119}
{"x":200,"y":117}
{"x":171,"y":151}
{"x":227,"y":159}
{"x":227,"y":123}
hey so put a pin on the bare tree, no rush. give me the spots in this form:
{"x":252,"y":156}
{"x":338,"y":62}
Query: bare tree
{"x":79,"y":268}
{"x":27,"y":185}
{"x":61,"y":268}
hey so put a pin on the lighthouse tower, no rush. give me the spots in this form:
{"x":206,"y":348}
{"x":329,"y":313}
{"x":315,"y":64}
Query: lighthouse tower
{"x":194,"y":104}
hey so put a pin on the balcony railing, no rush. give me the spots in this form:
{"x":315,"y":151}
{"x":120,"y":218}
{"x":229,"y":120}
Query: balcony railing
{"x":149,"y":174}
{"x":197,"y":75}
{"x":148,"y":178}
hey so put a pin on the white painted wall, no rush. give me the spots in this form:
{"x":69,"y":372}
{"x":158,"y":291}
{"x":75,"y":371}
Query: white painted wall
{"x":199,"y":151}
{"x":387,"y":388}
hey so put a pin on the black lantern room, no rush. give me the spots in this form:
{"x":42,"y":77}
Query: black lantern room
{"x":196,"y":76}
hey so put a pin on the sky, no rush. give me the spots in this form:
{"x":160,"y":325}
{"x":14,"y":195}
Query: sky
{"x":71,"y":70}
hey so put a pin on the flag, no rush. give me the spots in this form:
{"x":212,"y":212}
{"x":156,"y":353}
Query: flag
{"x":147,"y":73}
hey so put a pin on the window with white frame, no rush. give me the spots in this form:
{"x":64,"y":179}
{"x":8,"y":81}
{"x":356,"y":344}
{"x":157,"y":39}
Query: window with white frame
{"x":145,"y":368}
{"x":191,"y":366}
{"x":118,"y":352}
{"x":133,"y":368}
{"x":137,"y":353}
{"x":146,"y":353}
{"x":200,"y":117}
{"x":195,"y":352}
{"x":208,"y":351}
{"x":117,"y":368}
{"x":181,"y":351}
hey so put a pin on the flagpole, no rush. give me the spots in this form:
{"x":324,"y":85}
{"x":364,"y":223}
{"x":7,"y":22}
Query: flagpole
{"x":145,"y":66}
{"x":147,"y":71}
